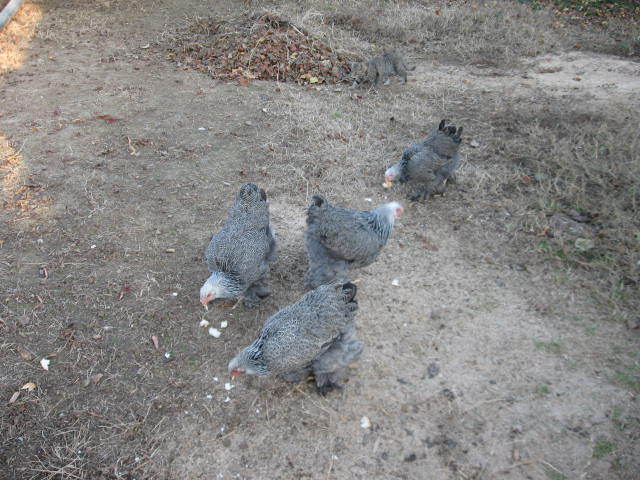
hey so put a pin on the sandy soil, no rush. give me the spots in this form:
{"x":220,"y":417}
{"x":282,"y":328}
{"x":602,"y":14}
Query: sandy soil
{"x":477,"y":365}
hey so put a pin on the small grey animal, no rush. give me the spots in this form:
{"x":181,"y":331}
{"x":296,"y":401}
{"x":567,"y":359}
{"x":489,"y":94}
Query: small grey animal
{"x":317,"y":334}
{"x":239,"y":255}
{"x":431,"y":162}
{"x":378,"y":69}
{"x":338,"y":239}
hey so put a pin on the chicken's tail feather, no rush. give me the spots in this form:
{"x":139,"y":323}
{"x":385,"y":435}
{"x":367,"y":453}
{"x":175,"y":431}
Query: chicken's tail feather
{"x":350,"y":290}
{"x":318,"y":205}
{"x":318,"y":201}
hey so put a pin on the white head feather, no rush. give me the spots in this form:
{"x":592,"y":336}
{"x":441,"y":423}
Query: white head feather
{"x":217,"y":286}
{"x":392,"y":172}
{"x":391,"y":211}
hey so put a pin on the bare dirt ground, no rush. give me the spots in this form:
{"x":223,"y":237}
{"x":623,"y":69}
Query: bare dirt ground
{"x":495,"y":356}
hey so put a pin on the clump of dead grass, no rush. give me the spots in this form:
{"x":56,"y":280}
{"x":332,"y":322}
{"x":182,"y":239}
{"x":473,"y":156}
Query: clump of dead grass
{"x":89,"y":450}
{"x":497,"y":34}
{"x":19,"y":195}
{"x":16,"y":36}
{"x":567,"y":159}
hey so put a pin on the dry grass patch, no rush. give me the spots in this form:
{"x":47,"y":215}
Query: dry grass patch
{"x":574,"y":175}
{"x":497,"y":34}
{"x":20,"y":196}
{"x":16,"y":36}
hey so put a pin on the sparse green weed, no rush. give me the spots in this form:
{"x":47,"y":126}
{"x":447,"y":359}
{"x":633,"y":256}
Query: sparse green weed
{"x":602,"y":448}
{"x":629,"y":377}
{"x":544,"y":390}
{"x":549,"y":347}
{"x":554,"y":474}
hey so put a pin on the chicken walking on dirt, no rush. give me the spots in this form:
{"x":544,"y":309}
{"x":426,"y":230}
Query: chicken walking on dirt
{"x":239,"y":255}
{"x":338,"y":239}
{"x":430,"y":163}
{"x":317,"y":334}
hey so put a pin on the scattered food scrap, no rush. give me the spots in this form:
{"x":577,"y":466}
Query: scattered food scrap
{"x":365,"y":422}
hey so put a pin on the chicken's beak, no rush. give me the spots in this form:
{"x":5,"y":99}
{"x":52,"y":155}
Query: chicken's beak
{"x":388,"y":179}
{"x":205,"y":300}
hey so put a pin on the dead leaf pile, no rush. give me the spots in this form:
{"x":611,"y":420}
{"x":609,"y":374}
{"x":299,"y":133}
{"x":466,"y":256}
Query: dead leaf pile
{"x":263,"y":47}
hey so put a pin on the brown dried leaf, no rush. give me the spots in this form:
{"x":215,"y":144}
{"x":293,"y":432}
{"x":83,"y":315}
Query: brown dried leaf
{"x":155,"y":341}
{"x":107,"y":118}
{"x":428,"y":245}
{"x":243,"y":81}
{"x":97,"y":377}
{"x":14,"y":397}
{"x":67,"y":333}
{"x":516,"y":455}
{"x":544,"y":232}
{"x":24,"y":354}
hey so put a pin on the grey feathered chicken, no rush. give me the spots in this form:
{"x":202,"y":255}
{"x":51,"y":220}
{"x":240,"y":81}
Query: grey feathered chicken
{"x":317,"y":334}
{"x":238,"y":256}
{"x":431,"y":162}
{"x":340,"y":238}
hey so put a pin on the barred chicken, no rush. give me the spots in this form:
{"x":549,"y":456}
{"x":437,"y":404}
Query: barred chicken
{"x":239,"y":255}
{"x":430,"y":163}
{"x":316,"y":335}
{"x":338,"y":239}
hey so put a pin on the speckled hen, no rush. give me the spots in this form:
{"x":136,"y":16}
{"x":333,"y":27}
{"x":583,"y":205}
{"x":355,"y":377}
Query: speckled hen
{"x":316,"y":335}
{"x":338,"y":239}
{"x":239,"y":255}
{"x":430,"y":163}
